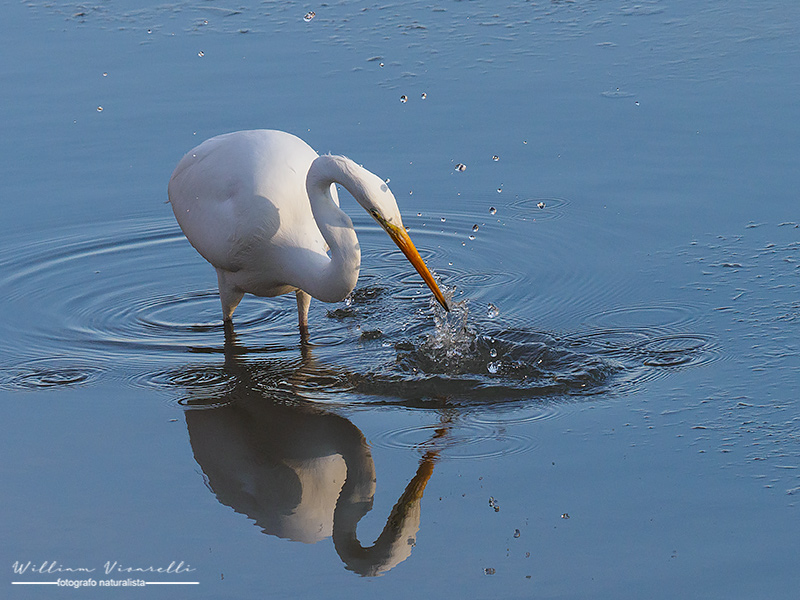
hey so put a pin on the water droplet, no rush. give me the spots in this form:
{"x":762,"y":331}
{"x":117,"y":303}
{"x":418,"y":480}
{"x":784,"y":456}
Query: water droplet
{"x":149,"y":31}
{"x":472,"y":237}
{"x":419,"y":214}
{"x":493,"y":367}
{"x":475,"y":227}
{"x":423,"y":95}
{"x":380,"y":64}
{"x":489,"y":571}
{"x":636,"y":103}
{"x":565,"y":516}
{"x":500,"y":189}
{"x":493,"y":353}
{"x":99,"y":109}
{"x":517,"y":533}
{"x":201,"y":53}
{"x":461,"y":167}
{"x":309,"y":15}
{"x":492,"y":310}
{"x":403,"y":98}
{"x":443,"y":219}
{"x":541,"y":205}
{"x":495,"y":158}
{"x":105,"y":74}
{"x":492,"y":210}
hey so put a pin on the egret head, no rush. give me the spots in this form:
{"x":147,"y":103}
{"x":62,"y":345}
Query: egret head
{"x":379,"y":202}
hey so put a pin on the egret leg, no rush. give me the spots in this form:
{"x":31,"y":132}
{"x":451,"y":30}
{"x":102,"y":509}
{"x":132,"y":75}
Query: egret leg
{"x":303,"y":301}
{"x":229,"y":295}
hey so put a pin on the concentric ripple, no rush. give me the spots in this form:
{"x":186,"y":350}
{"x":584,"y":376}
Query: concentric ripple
{"x":134,"y":291}
{"x":48,"y":373}
{"x":468,"y":440}
{"x":135,"y":300}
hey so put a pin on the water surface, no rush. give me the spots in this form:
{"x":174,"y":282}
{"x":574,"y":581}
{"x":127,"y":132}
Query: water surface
{"x":610,"y":410}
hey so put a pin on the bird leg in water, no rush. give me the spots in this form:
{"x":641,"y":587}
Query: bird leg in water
{"x":229,"y":295}
{"x":303,"y":301}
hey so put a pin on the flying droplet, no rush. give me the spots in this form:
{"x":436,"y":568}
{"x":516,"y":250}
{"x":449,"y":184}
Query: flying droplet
{"x":419,"y":214}
{"x":492,"y":210}
{"x":495,"y":158}
{"x":517,"y":533}
{"x":105,"y":74}
{"x":493,"y":368}
{"x":493,"y":353}
{"x":492,"y":310}
{"x":472,"y":237}
{"x":461,"y":167}
{"x":500,"y":189}
{"x":489,"y":571}
{"x":423,"y":95}
{"x":541,"y":205}
{"x":403,"y":98}
{"x":565,"y":516}
{"x":201,"y":53}
{"x":309,"y":15}
{"x":443,"y":219}
{"x":99,"y":109}
{"x":475,"y":227}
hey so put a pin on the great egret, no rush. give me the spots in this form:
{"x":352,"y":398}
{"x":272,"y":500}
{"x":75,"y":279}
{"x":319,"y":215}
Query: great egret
{"x":261,"y":206}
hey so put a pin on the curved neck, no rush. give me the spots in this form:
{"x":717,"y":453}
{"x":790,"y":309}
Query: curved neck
{"x":338,"y":277}
{"x":398,"y":537}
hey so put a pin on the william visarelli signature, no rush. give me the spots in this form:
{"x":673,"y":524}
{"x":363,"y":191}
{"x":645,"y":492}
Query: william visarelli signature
{"x":109,"y":567}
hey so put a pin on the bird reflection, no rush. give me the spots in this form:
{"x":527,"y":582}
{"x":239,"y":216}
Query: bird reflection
{"x":299,"y":471}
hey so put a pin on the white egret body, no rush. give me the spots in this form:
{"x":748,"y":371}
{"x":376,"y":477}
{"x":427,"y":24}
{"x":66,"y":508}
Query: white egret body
{"x":261,"y":206}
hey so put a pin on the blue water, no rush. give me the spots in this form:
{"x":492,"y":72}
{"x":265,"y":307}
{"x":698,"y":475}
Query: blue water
{"x":610,"y":411}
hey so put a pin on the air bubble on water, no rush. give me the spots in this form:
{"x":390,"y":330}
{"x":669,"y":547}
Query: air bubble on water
{"x":492,"y":210}
{"x":495,"y":158}
{"x":492,"y":310}
{"x":403,"y":98}
{"x":309,"y":15}
{"x":461,"y":167}
{"x":475,"y":227}
{"x":541,"y":205}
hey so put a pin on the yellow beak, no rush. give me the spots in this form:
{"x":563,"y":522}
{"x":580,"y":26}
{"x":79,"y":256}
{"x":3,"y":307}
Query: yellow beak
{"x":400,"y":237}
